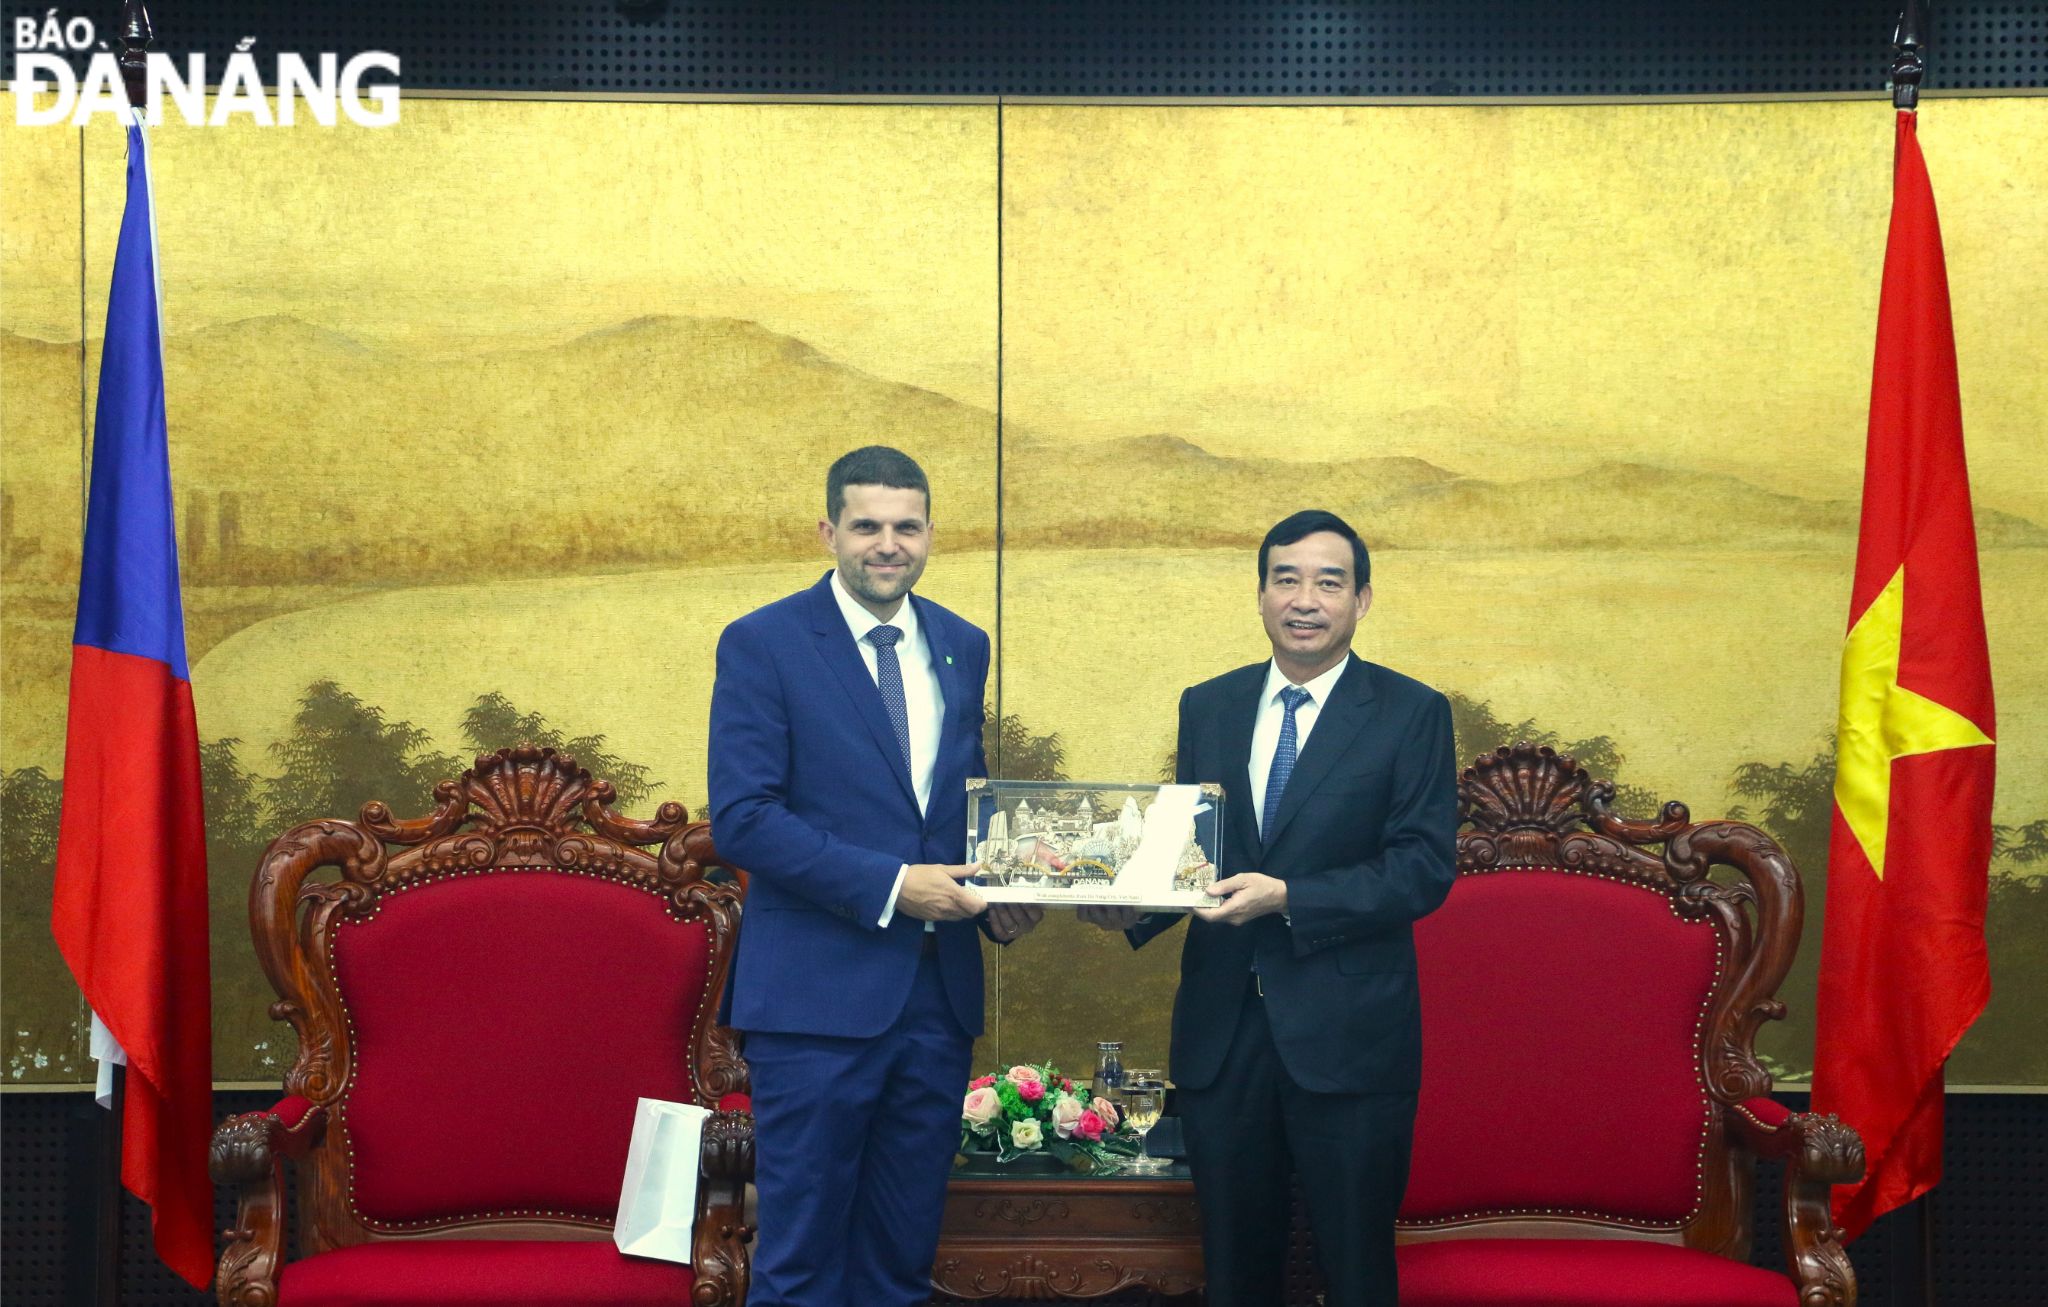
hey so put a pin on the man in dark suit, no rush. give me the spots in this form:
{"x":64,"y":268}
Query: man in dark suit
{"x":1297,"y":1035}
{"x":845,"y":721}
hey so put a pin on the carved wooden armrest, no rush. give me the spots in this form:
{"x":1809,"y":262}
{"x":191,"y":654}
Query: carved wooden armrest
{"x":1819,"y":1152}
{"x":245,"y":1146}
{"x":725,"y":1167}
{"x":249,"y":1152}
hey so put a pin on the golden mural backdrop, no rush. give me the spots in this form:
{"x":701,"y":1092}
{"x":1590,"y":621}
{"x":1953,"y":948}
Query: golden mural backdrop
{"x":485,"y":424}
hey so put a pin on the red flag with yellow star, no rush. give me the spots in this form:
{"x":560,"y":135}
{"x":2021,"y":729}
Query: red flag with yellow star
{"x":1902,"y":969}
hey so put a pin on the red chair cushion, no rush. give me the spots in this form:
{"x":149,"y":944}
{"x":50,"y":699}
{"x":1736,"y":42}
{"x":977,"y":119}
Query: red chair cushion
{"x":1580,"y":1273}
{"x":1561,"y":1050}
{"x":482,"y":1273}
{"x":503,"y":1026}
{"x":1768,"y":1112}
{"x":290,"y":1110}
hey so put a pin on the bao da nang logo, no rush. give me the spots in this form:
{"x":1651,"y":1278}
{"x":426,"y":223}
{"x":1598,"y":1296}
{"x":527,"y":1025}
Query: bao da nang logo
{"x":325,"y":90}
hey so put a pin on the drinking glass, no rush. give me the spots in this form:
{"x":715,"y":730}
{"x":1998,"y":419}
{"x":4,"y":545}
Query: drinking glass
{"x":1142,"y":1097}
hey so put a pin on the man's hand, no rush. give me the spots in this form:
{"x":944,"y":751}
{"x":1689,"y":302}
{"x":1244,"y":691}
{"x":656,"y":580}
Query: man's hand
{"x":1246,"y":896}
{"x":934,"y":893}
{"x":1008,"y":921}
{"x":1108,"y":916}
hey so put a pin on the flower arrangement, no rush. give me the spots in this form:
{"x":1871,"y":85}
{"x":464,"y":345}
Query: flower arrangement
{"x":1034,"y":1111}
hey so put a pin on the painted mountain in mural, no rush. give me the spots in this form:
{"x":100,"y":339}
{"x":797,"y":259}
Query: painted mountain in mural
{"x":295,"y":440}
{"x":660,"y":441}
{"x":1162,"y":490}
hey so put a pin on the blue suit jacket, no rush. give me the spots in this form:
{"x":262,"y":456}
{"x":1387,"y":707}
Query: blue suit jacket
{"x":810,"y":794}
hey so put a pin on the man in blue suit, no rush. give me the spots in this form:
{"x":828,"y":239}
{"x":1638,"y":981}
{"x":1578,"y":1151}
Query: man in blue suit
{"x":845,"y":722}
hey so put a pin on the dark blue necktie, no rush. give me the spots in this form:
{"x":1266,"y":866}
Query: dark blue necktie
{"x":1291,"y":697}
{"x":889,"y":676}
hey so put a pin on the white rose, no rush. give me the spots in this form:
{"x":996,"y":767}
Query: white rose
{"x":1027,"y":1134}
{"x":980,"y":1107}
{"x":1066,"y":1114}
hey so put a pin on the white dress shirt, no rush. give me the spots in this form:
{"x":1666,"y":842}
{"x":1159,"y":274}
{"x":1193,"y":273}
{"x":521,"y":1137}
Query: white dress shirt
{"x":1266,"y":727}
{"x":924,"y":702}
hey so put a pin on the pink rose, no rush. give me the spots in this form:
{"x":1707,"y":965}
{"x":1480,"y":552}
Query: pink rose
{"x":1089,"y":1127}
{"x":982,"y":1083}
{"x":1105,"y":1109}
{"x":1031,"y":1091}
{"x":1066,"y":1114}
{"x":981,"y":1106}
{"x":1066,"y":1084}
{"x":1021,"y":1076}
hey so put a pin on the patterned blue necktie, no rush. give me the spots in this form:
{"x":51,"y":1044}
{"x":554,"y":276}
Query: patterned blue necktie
{"x":1291,"y":697}
{"x":889,"y":676}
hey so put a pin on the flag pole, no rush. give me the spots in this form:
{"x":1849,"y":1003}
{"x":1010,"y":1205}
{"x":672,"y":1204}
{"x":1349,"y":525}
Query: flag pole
{"x":136,"y":37}
{"x":1907,"y":70}
{"x":107,"y":1237}
{"x":1907,"y":65}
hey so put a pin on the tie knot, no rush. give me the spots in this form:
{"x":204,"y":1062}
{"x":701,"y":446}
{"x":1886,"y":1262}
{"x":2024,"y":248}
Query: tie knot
{"x":882,"y":637}
{"x":1293,"y":697}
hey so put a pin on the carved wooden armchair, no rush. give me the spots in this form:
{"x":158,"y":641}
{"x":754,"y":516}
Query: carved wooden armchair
{"x":480,"y":996}
{"x":1592,"y":1107}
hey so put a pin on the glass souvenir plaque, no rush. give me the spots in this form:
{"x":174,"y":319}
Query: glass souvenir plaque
{"x":1075,"y":842}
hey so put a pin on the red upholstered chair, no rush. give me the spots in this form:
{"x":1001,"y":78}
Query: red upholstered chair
{"x":1592,"y":1107}
{"x":480,"y":996}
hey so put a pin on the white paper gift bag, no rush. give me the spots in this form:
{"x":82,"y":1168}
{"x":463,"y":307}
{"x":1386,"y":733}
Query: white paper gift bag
{"x":658,"y":1204}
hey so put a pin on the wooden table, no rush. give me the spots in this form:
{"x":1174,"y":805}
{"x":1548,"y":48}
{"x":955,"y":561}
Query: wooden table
{"x":1043,"y":1234}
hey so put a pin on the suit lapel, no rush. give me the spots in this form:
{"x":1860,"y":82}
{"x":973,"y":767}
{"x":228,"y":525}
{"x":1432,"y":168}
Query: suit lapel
{"x":1337,"y":725}
{"x":950,"y":687}
{"x":836,"y":647}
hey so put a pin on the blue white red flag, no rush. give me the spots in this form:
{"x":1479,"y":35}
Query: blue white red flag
{"x":130,"y":900}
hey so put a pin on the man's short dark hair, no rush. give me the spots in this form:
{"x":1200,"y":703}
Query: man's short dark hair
{"x":1306,"y":523}
{"x":873,"y":465}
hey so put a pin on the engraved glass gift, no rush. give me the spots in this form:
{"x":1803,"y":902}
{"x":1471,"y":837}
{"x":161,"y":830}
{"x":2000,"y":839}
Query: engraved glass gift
{"x":1078,"y":842}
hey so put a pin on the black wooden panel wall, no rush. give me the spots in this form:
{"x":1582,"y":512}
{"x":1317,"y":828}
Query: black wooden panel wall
{"x":1120,"y":47}
{"x":1991,"y":1239}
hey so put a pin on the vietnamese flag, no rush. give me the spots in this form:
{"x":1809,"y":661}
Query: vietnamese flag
{"x":1903,"y":971}
{"x":130,"y":900}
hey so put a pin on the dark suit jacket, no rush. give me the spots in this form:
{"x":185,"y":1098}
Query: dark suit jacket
{"x":1365,"y":840}
{"x":809,"y":793}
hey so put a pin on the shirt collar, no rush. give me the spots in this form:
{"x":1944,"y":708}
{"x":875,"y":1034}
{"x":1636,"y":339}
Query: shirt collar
{"x":1318,"y":690}
{"x":860,"y":621}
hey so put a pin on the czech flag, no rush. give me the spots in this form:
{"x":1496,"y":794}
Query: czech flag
{"x":130,"y":901}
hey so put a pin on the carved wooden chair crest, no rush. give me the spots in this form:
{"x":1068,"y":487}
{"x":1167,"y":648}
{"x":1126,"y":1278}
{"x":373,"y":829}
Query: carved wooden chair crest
{"x":480,"y":995}
{"x":1592,"y":1107}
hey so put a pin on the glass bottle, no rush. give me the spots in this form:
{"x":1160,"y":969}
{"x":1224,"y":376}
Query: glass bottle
{"x":1109,"y":1066}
